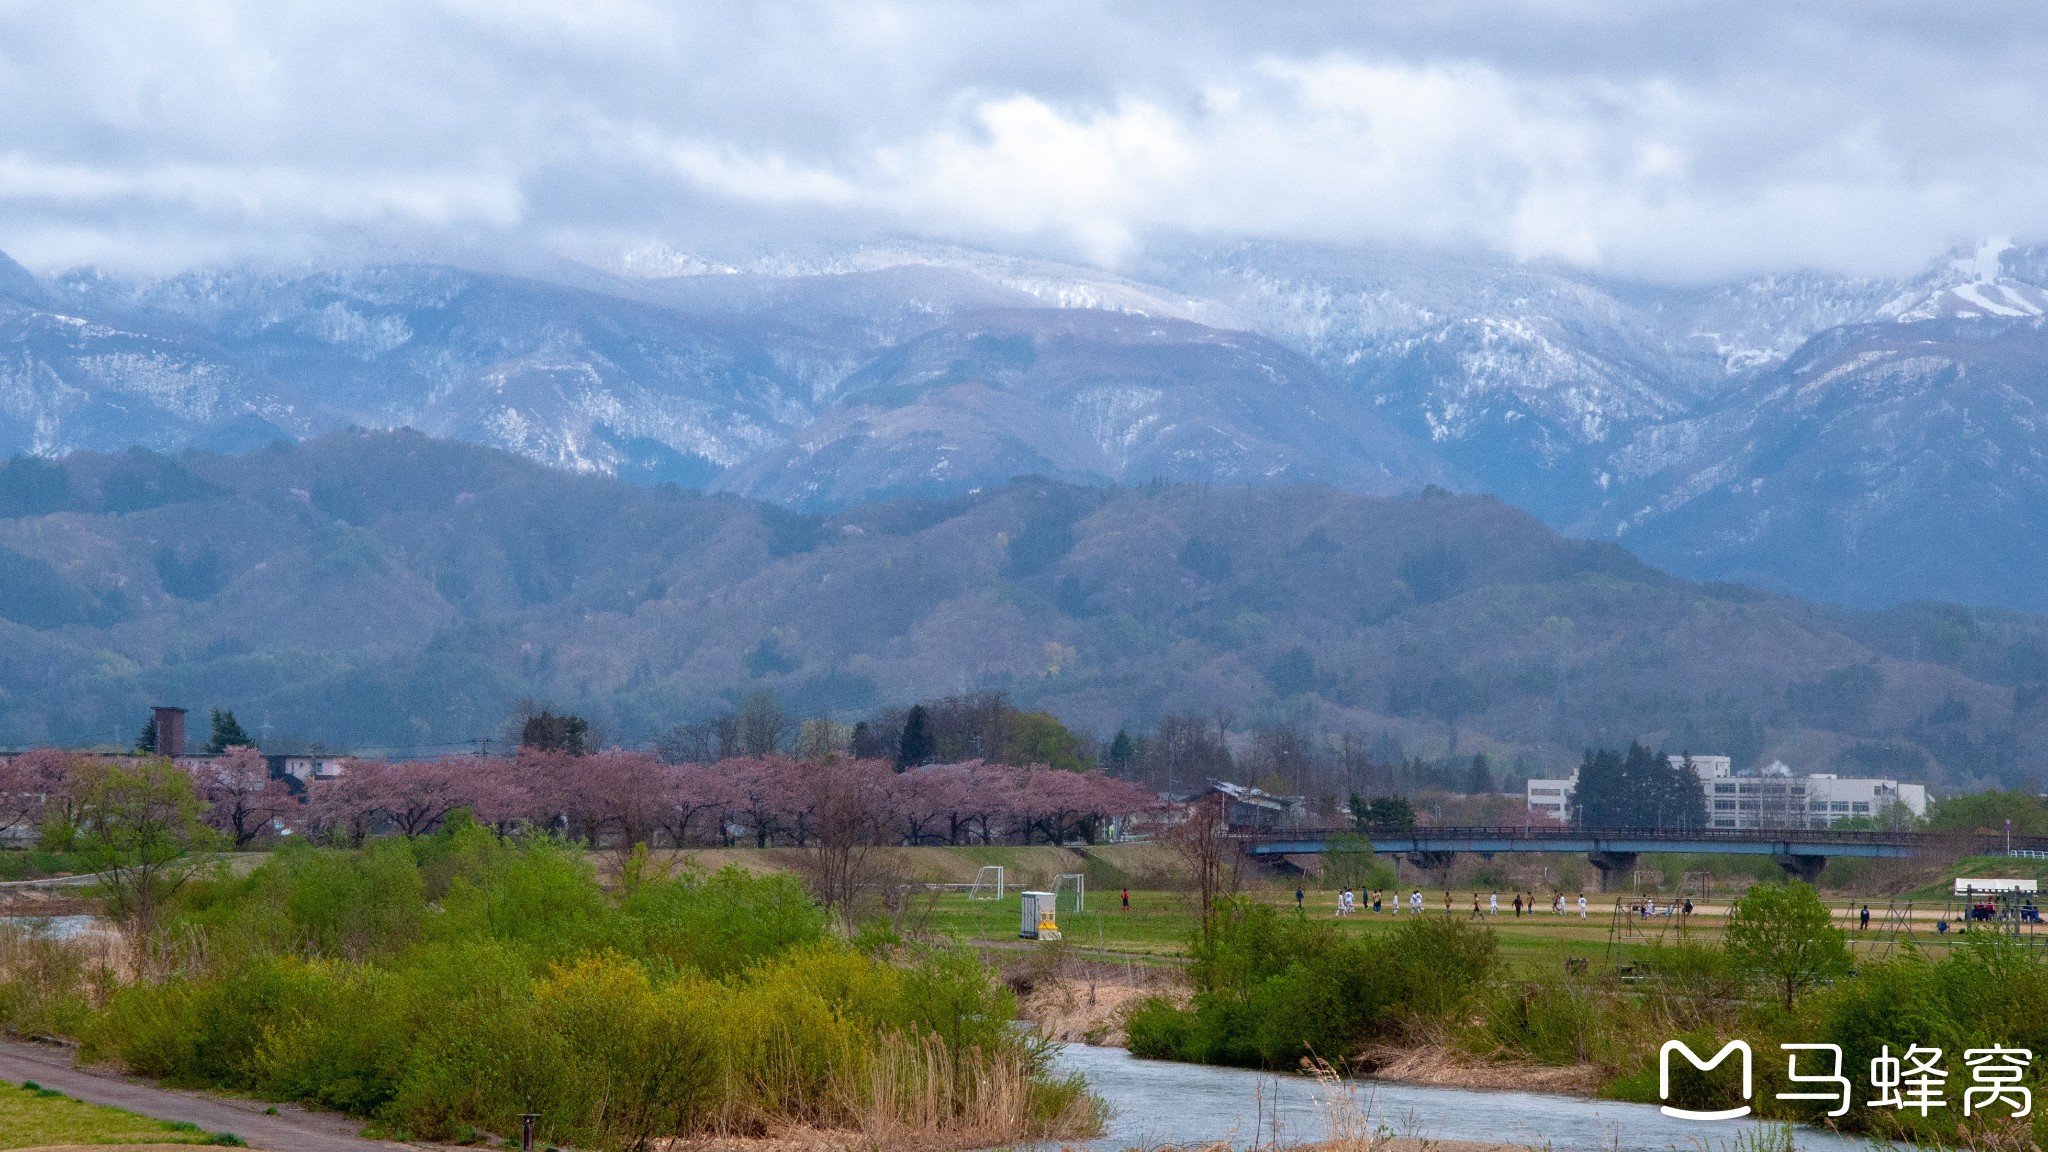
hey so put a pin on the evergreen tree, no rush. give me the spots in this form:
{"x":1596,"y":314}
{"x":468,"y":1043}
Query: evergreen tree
{"x":1639,"y":788}
{"x":916,"y":747}
{"x":1685,"y":802}
{"x":145,"y":741}
{"x":1481,"y":779}
{"x":1601,"y":798}
{"x":1122,"y":753}
{"x":227,"y":733}
{"x":544,"y":731}
{"x":1383,"y":812}
{"x":869,"y":743}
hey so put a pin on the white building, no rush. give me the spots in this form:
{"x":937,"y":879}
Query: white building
{"x":1553,"y":797}
{"x":308,"y":768}
{"x":1774,"y":798}
{"x":1832,"y":798}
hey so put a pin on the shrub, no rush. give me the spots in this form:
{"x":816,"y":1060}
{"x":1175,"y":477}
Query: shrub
{"x":1986,"y":991}
{"x":691,"y":1004}
{"x":717,"y":924}
{"x":1271,"y":990}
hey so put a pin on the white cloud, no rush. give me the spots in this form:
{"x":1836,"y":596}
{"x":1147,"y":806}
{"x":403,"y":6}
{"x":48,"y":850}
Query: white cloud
{"x":1667,"y":141}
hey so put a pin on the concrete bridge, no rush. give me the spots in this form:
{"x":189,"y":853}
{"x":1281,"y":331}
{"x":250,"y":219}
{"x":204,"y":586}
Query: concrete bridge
{"x":1614,"y":851}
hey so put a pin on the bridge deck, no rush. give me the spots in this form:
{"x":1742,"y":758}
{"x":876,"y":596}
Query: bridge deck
{"x":1746,"y":842}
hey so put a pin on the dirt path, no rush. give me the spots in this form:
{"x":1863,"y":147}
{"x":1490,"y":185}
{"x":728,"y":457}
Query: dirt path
{"x":292,"y":1130}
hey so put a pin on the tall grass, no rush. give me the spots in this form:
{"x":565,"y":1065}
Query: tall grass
{"x":915,"y":1087}
{"x":454,"y":982}
{"x":52,"y":987}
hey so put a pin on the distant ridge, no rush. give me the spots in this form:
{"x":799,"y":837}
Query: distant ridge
{"x":1856,"y":441}
{"x":392,"y":591}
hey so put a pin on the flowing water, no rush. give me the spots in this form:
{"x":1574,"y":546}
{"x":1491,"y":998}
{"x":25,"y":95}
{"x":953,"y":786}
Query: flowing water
{"x":56,"y":927}
{"x":1155,"y":1102}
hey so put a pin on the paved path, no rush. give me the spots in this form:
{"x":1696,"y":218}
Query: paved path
{"x":293,"y":1130}
{"x":81,"y":878}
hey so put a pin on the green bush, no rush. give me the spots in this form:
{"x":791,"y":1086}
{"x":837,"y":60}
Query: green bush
{"x":1552,"y":1019}
{"x":1271,"y":990}
{"x":717,"y":924}
{"x":1987,"y":991}
{"x":686,"y":1004}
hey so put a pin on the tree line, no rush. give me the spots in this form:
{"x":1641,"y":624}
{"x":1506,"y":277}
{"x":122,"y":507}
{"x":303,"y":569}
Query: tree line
{"x":610,"y":798}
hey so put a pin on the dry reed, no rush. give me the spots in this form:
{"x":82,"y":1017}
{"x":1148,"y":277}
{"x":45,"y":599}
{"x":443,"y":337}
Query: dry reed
{"x":915,"y":1091}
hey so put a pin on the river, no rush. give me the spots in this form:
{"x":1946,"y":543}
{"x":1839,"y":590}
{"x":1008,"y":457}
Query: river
{"x":55,"y":927}
{"x":1155,"y":1102}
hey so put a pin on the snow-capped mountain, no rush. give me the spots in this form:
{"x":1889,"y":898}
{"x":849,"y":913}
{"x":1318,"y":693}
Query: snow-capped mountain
{"x":1812,"y":432}
{"x":1089,"y":395}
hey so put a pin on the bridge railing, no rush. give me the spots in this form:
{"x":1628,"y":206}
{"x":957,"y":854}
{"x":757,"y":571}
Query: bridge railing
{"x":1957,"y":843}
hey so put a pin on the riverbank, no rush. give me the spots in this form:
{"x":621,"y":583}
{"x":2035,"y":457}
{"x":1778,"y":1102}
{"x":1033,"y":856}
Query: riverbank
{"x":1158,"y":1105}
{"x":1090,"y":1003}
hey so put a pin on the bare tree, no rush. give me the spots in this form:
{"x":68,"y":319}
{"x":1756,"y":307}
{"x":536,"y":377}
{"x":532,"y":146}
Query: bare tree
{"x":765,"y":728}
{"x":706,"y":741}
{"x":1186,"y":753}
{"x":35,"y":787}
{"x":1208,"y":853}
{"x":849,"y":820}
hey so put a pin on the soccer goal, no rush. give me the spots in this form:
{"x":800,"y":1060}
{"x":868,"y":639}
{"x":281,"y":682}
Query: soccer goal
{"x":1074,"y":880}
{"x":988,"y":883}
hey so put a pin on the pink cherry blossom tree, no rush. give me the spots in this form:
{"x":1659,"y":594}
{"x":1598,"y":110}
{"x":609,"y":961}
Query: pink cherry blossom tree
{"x":35,"y":786}
{"x":416,"y":795}
{"x":347,"y":806}
{"x":241,"y":799}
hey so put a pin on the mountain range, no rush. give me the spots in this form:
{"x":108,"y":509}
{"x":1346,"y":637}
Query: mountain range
{"x":386,"y":590}
{"x":1856,"y":441}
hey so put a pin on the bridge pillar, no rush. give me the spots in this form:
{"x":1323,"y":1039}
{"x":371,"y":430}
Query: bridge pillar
{"x":1615,"y":869}
{"x":1437,"y":864}
{"x":1805,"y":869}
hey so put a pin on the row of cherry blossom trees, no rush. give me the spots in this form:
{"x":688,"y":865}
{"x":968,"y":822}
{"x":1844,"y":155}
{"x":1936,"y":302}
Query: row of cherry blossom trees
{"x":622,"y":798}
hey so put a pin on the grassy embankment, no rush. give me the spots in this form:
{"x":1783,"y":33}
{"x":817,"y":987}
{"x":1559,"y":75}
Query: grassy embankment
{"x":35,"y":1117}
{"x":1436,"y":993}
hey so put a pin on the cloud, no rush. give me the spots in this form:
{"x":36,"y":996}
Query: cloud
{"x":1672,"y":141}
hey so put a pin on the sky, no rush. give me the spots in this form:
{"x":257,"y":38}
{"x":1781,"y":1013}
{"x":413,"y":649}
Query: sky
{"x":1674,"y":142}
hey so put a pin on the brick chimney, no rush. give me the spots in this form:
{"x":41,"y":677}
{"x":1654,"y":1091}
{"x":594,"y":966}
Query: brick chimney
{"x":170,"y":731}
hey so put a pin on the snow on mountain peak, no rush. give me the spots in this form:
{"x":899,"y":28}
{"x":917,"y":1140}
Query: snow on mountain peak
{"x":1986,"y":263}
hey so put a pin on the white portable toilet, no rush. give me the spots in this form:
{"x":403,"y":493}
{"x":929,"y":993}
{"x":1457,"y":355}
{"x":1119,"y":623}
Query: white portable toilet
{"x":1036,"y":922}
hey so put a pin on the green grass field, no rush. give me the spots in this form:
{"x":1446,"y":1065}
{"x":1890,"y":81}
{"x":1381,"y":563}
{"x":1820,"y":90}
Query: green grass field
{"x":35,"y":1117}
{"x":1159,"y":926}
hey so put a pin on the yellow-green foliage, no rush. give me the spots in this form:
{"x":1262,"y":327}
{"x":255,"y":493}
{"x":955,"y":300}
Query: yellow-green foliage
{"x":1986,"y":990}
{"x":484,"y":979}
{"x":30,"y":1118}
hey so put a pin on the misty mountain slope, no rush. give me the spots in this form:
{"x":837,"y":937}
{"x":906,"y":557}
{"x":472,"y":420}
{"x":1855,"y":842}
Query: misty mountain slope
{"x":822,"y":328}
{"x":392,"y":590}
{"x":1883,"y":461}
{"x":1087,"y":396}
{"x":1524,"y":378}
{"x":572,"y":378}
{"x":70,"y":382}
{"x":1667,"y":416}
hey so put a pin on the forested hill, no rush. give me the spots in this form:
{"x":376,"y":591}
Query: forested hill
{"x":386,"y":590}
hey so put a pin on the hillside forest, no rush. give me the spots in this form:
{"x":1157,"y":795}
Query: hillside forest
{"x":388,"y":593}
